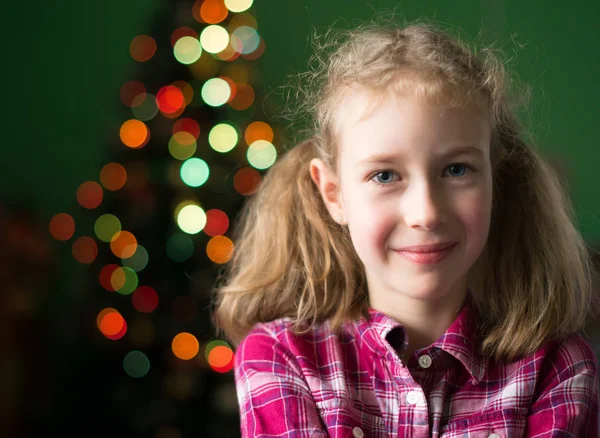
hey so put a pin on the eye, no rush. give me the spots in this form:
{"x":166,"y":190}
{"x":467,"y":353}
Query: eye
{"x":458,"y":171}
{"x":459,"y":166}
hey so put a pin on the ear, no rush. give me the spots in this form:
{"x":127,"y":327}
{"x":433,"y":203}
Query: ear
{"x":330,"y":190}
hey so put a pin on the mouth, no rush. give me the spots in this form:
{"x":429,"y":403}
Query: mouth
{"x":427,"y":248}
{"x":428,"y":257}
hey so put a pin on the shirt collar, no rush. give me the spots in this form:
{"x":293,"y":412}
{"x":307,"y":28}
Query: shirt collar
{"x":459,"y":340}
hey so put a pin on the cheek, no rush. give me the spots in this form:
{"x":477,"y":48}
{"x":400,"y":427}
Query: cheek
{"x":475,"y":217}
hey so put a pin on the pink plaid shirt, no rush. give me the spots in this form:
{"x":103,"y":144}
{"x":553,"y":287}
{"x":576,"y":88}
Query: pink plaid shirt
{"x":355,"y":385}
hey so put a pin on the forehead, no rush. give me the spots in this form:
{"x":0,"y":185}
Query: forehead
{"x":368,"y":123}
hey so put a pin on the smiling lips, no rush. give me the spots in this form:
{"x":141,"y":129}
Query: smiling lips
{"x":426,"y":254}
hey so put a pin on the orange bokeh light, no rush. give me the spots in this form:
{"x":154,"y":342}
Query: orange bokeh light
{"x":220,"y":356}
{"x":123,"y":244}
{"x":219,"y":249}
{"x":62,"y":226}
{"x":134,"y":133}
{"x":142,"y":48}
{"x":243,"y":98}
{"x":213,"y":11}
{"x":110,"y":322}
{"x":113,"y":176}
{"x":258,"y":131}
{"x":185,"y":346}
{"x":90,"y":194}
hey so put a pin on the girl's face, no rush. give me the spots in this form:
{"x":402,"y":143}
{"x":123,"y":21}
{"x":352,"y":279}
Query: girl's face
{"x":403,"y":182}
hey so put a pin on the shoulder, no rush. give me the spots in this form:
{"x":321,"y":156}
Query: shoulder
{"x":571,"y":359}
{"x":278,"y":341}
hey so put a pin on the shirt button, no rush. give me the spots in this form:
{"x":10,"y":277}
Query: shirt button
{"x":494,"y":435}
{"x":413,"y":397}
{"x":425,"y":361}
{"x":357,"y":432}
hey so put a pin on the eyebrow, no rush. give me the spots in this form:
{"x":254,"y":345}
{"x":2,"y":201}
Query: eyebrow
{"x":390,"y":158}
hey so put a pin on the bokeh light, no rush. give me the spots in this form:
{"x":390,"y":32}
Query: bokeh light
{"x":85,"y":250}
{"x":215,"y":92}
{"x":244,"y":97}
{"x":130,"y":90}
{"x":180,"y":247}
{"x":217,"y":222}
{"x":123,"y":244}
{"x":248,"y":37}
{"x":191,"y":219}
{"x":194,"y":172}
{"x":139,"y":260}
{"x":62,"y":226}
{"x":145,"y":299}
{"x":187,"y":124}
{"x":246,"y":181}
{"x":142,"y":48}
{"x":134,"y":133}
{"x":214,"y":38}
{"x":90,"y":194}
{"x":181,"y":32}
{"x":144,"y":107}
{"x":223,"y":137}
{"x":136,"y":364}
{"x":221,"y":358}
{"x":113,"y":176}
{"x":261,"y":154}
{"x":186,"y":89}
{"x":124,"y":280}
{"x":219,"y":249}
{"x":187,"y":50}
{"x":185,"y":346}
{"x":258,"y":131}
{"x":242,"y":19}
{"x":106,"y":227}
{"x":213,"y":11}
{"x":182,"y":145}
{"x":260,"y":50}
{"x":111,"y":323}
{"x":170,"y":99}
{"x":105,"y":276}
{"x":238,"y":5}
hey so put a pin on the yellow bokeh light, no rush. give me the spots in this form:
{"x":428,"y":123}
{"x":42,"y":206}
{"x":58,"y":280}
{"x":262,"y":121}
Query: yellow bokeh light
{"x":191,"y":219}
{"x":216,"y":92}
{"x":238,"y":5}
{"x":261,"y":154}
{"x":214,"y":38}
{"x":223,"y":137}
{"x":187,"y":50}
{"x":185,"y":346}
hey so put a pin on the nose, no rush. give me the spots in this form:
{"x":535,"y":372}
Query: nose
{"x":424,"y":207}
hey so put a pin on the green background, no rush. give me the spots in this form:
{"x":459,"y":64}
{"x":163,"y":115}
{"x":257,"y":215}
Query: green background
{"x":64,"y":63}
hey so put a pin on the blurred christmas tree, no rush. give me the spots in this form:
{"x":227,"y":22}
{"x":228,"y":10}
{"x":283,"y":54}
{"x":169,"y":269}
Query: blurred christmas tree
{"x":192,"y":146}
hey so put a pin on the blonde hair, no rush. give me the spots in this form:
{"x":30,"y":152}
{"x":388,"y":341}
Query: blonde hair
{"x":533,"y":280}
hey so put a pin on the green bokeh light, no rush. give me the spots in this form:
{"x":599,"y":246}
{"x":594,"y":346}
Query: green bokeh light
{"x":106,"y":227}
{"x":194,"y":172}
{"x":136,"y":364}
{"x":180,"y":247}
{"x":139,"y":260}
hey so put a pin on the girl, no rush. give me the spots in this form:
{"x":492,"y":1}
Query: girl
{"x":412,"y":269}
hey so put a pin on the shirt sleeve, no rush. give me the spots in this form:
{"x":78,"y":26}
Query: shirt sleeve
{"x":567,"y":400}
{"x":274,"y":398}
